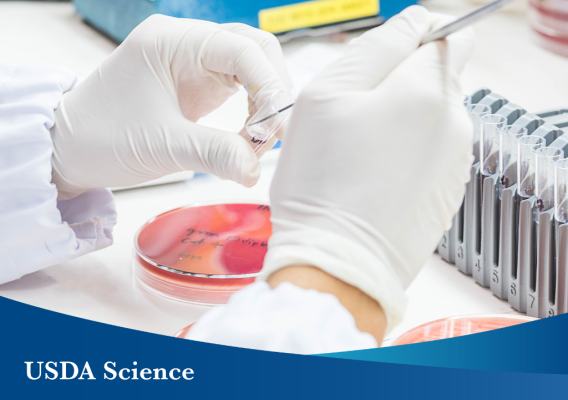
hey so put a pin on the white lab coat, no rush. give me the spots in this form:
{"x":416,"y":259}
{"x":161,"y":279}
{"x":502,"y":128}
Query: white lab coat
{"x":37,"y":231}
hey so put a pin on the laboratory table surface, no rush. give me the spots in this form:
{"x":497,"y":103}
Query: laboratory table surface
{"x":101,"y":286}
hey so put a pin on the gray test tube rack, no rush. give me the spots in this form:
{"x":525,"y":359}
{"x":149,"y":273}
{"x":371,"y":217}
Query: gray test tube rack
{"x":496,"y":239}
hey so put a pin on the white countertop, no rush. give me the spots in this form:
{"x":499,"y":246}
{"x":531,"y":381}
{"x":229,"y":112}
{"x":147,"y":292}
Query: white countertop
{"x":100,"y":286}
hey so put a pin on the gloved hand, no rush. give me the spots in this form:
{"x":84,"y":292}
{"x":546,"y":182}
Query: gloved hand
{"x":375,"y":161}
{"x":133,"y":119}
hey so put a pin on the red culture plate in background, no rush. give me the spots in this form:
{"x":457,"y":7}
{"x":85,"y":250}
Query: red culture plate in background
{"x":203,"y":253}
{"x":459,"y":326}
{"x":181,"y":334}
{"x":549,"y":21}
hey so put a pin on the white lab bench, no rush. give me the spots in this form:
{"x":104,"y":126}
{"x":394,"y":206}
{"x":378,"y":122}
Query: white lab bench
{"x":101,"y":286}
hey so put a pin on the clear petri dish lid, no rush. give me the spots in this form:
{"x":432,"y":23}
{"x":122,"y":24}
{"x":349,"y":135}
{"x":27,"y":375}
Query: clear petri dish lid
{"x":203,"y":253}
{"x":459,"y":326}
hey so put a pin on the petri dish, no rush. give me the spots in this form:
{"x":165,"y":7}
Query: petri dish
{"x":549,"y":21}
{"x":459,"y":326}
{"x":182,"y":332}
{"x":202,"y":253}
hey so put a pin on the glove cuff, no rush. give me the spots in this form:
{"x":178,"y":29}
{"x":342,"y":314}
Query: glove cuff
{"x":342,"y":258}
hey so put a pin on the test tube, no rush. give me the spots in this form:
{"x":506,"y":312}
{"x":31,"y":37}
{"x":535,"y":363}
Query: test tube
{"x":526,"y":166}
{"x":491,"y":127}
{"x":546,"y":157}
{"x":264,"y":124}
{"x":561,"y":190}
{"x":508,"y":155}
{"x":476,"y":111}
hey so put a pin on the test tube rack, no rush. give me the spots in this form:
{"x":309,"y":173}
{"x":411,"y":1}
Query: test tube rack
{"x":497,"y":239}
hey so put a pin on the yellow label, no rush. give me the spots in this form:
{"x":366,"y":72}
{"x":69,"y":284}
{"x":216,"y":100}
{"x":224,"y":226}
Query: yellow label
{"x":314,"y":13}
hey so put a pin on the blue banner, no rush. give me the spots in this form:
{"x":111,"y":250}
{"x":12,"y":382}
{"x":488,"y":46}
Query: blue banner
{"x":103,"y":361}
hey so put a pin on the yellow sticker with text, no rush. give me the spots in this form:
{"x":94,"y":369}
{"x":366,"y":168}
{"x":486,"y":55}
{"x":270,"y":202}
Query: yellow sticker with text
{"x":314,"y":13}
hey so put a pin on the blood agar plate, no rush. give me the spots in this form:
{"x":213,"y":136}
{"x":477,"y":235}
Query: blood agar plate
{"x":549,"y":20}
{"x":459,"y":326}
{"x":183,"y":332}
{"x":202,"y":253}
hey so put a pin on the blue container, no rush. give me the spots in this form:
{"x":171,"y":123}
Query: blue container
{"x":118,"y":18}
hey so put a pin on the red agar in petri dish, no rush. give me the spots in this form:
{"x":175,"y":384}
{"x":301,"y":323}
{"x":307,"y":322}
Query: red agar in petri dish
{"x":203,"y":253}
{"x":459,"y":326}
{"x":181,"y":333}
{"x":549,"y":21}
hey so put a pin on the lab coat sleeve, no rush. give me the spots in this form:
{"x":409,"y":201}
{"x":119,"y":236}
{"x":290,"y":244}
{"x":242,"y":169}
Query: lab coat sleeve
{"x":285,"y":319}
{"x":36,"y":231}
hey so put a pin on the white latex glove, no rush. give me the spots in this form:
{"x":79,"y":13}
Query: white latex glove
{"x":134,"y":118}
{"x":375,"y":161}
{"x":287,"y":319}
